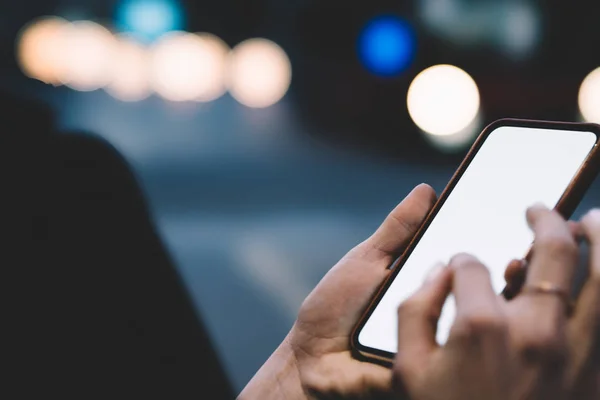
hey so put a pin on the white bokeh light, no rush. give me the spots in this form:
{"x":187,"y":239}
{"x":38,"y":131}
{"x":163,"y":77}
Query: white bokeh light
{"x":260,"y":73}
{"x":130,"y":71}
{"x":40,"y":47}
{"x":215,"y":52}
{"x":443,"y":100}
{"x":457,"y":141}
{"x":189,"y":67}
{"x":88,"y":54}
{"x":589,"y":97}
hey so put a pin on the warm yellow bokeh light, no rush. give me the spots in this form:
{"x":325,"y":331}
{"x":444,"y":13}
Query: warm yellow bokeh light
{"x":589,"y":97}
{"x":130,"y":71}
{"x":443,"y":100}
{"x":188,"y":67}
{"x":88,"y":54}
{"x":216,"y":54}
{"x":40,"y":49}
{"x":259,"y":73}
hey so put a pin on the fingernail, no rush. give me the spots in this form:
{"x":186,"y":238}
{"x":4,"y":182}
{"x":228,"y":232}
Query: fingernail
{"x":434,"y":272}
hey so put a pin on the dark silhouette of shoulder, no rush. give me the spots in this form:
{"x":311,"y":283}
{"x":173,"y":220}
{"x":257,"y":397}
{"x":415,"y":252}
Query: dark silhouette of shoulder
{"x":97,"y":304}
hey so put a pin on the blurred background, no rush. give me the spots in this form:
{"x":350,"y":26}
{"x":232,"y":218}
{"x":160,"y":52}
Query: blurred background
{"x":270,"y":137}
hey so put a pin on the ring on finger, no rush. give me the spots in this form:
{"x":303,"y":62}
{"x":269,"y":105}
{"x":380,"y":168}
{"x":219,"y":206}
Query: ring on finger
{"x":548,"y":288}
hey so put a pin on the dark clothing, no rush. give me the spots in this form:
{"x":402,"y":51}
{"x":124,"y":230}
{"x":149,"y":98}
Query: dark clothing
{"x":95,"y":307}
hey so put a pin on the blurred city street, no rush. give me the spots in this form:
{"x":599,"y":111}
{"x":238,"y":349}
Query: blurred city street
{"x":253,"y":211}
{"x":270,"y":138}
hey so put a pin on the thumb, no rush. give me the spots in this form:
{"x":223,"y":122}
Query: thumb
{"x":418,"y":317}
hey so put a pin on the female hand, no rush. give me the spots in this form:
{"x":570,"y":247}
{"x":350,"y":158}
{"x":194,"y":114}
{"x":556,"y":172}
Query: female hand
{"x":583,"y":373}
{"x":315,"y":360}
{"x":526,"y":348}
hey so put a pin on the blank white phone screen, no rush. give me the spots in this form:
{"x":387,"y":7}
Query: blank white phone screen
{"x":484,"y":216}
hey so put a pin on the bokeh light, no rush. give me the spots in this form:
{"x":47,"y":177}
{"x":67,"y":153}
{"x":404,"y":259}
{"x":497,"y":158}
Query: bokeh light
{"x":149,"y":19}
{"x":589,"y":97}
{"x":40,"y":47}
{"x":443,"y":100}
{"x":457,"y":141}
{"x":130,"y":71}
{"x":215,"y":53}
{"x":88,"y":53}
{"x":260,"y":73}
{"x":386,"y":46}
{"x":188,"y":67}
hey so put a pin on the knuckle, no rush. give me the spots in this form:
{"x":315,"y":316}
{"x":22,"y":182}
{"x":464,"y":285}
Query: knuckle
{"x":559,"y":244}
{"x":545,"y":347}
{"x":480,"y":325}
{"x":409,"y":223}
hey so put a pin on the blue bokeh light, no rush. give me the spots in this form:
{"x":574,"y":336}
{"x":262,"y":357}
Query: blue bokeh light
{"x":149,"y":19}
{"x":386,"y":46}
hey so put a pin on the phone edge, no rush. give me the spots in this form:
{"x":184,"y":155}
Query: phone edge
{"x":566,"y":207}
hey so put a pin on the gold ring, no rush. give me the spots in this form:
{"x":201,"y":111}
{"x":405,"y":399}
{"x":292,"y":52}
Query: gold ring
{"x":546,"y":288}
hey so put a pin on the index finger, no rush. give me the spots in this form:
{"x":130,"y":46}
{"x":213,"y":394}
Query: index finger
{"x":472,"y":286}
{"x":478,"y":314}
{"x":418,"y":319}
{"x":554,"y":251}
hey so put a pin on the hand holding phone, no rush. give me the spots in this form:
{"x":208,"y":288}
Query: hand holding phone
{"x":540,"y":345}
{"x":513,"y":165}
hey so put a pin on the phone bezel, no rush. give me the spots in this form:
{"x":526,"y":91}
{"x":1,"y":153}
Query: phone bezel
{"x":566,"y":206}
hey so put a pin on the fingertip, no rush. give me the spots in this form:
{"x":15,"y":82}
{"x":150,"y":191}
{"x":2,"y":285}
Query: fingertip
{"x":445,"y":280}
{"x":437,"y":285}
{"x":404,"y":221}
{"x":424,"y":186}
{"x":463,"y":259}
{"x":440,"y":286}
{"x":592,"y":218}
{"x":426,"y":191}
{"x":534,"y":212}
{"x":590,"y":226}
{"x":514,"y":269}
{"x":514,"y":276}
{"x":434,"y":272}
{"x":538,"y":207}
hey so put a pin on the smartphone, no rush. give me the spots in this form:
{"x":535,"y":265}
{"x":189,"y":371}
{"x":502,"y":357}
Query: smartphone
{"x":512,"y":165}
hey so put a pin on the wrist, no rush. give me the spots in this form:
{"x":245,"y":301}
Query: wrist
{"x":278,"y":378}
